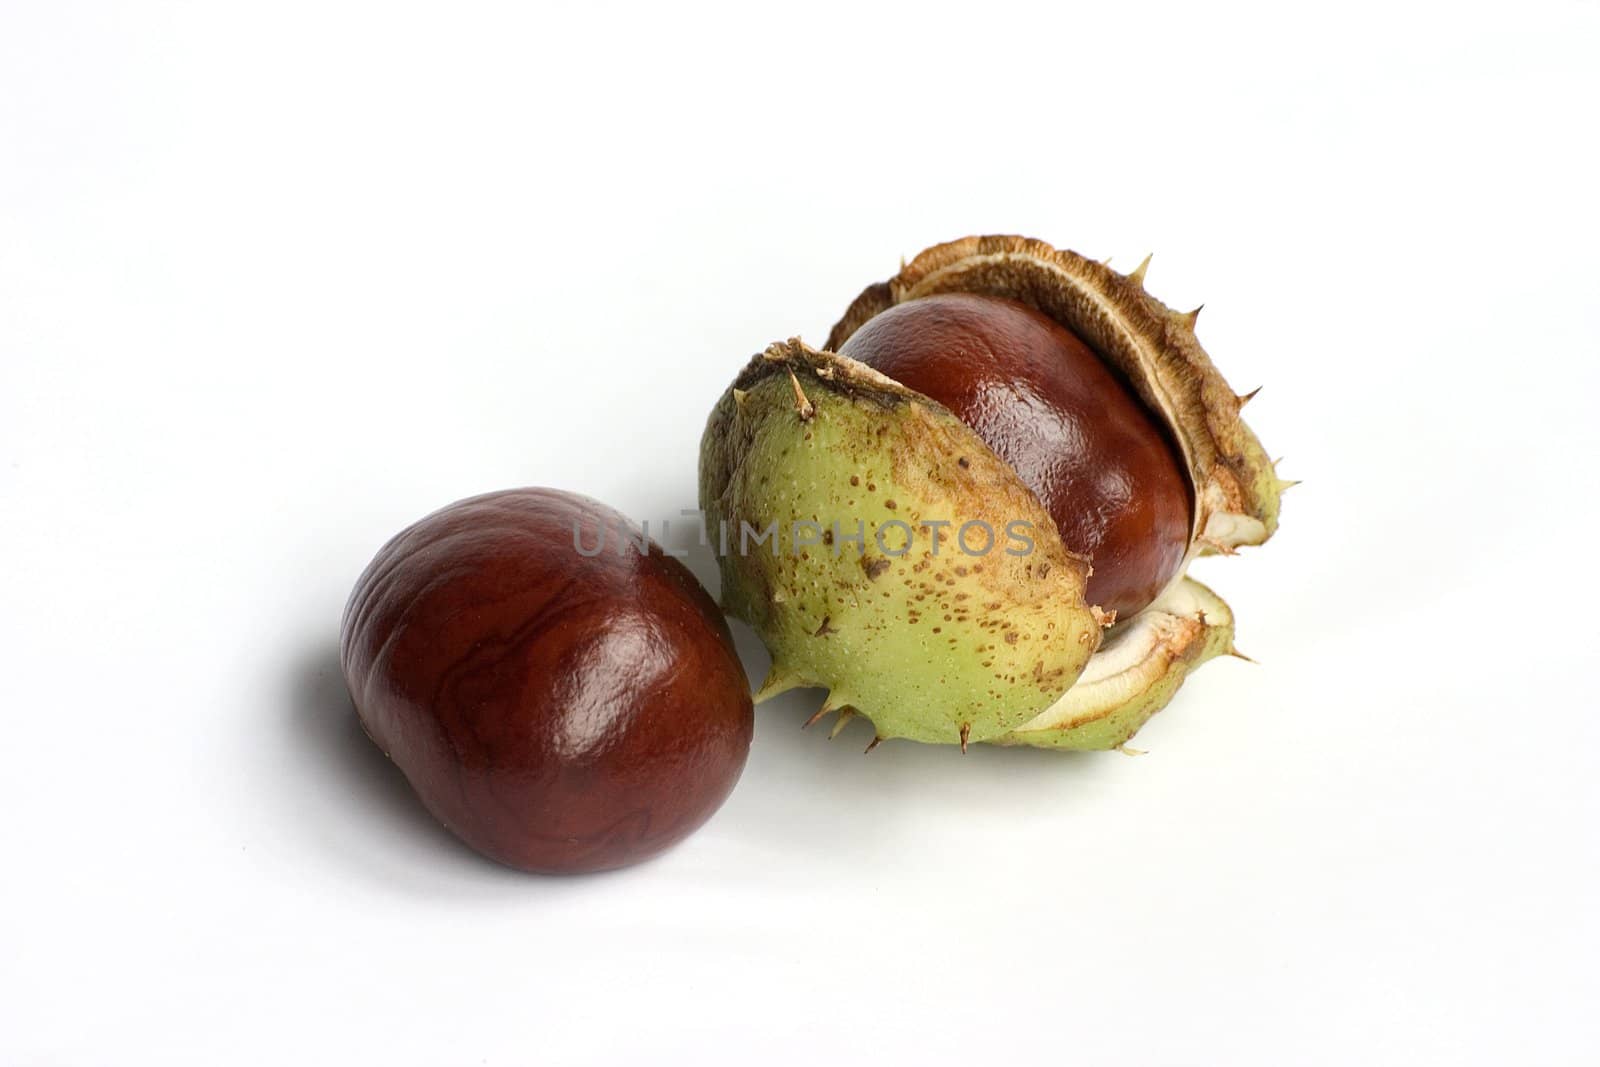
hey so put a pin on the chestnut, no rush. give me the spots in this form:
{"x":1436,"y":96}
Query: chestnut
{"x":1106,"y":471}
{"x":557,"y":709}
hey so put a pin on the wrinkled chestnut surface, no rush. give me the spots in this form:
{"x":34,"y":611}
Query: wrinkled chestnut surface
{"x":1101,"y":464}
{"x":559,"y":713}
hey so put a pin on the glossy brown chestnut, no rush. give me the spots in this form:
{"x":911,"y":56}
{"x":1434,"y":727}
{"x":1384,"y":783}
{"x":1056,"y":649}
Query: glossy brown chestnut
{"x":1104,"y":468}
{"x":559,"y":712}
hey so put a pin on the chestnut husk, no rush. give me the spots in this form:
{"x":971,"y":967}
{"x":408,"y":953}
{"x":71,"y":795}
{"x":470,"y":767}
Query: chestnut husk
{"x":1144,"y":658}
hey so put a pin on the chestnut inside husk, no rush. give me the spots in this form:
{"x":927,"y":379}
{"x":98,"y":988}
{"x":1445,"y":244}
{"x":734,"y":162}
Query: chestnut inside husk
{"x":800,"y":427}
{"x":1107,"y":472}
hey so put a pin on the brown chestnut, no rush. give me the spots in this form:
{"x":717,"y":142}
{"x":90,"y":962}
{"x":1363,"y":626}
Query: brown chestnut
{"x":559,"y":711}
{"x":1105,"y":469}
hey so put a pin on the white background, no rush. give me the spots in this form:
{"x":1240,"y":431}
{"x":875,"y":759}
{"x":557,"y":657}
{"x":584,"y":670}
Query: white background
{"x":278,"y":279}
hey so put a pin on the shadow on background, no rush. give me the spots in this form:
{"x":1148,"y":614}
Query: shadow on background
{"x":804,"y":794}
{"x":357,"y":802}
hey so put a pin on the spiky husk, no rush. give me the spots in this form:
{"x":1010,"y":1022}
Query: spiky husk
{"x":937,"y":646}
{"x":784,"y":440}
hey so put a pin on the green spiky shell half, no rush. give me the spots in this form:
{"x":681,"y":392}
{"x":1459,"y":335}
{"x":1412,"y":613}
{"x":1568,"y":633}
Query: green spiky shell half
{"x":934,"y":645}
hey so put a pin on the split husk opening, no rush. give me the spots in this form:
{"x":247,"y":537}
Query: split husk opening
{"x":761,"y":458}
